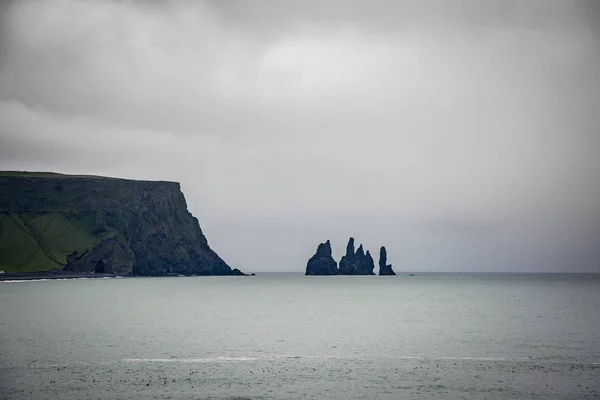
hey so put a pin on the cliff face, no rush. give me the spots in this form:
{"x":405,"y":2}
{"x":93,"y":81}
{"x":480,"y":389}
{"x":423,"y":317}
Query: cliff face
{"x":88,"y":223}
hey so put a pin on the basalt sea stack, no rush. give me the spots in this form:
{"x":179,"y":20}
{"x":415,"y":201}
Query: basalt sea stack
{"x":384,"y":268}
{"x":352,"y":263}
{"x":356,"y":263}
{"x":96,"y":224}
{"x":322,"y":263}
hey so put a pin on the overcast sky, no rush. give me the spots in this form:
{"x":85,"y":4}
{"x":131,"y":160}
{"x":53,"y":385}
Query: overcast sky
{"x":462,"y":135}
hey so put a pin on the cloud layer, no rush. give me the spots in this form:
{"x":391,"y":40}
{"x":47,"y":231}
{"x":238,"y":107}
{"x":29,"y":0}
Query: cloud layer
{"x":461,"y":137}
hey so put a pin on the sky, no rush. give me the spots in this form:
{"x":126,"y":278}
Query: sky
{"x":462,"y":135}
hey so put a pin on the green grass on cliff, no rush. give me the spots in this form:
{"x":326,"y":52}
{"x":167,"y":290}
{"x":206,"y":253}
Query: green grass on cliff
{"x":32,"y":242}
{"x":59,"y":236}
{"x":19,"y":252}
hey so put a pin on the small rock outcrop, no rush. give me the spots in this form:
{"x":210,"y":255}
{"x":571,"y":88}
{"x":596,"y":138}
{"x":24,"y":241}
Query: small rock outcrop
{"x":384,"y":268}
{"x":322,"y":263}
{"x":237,"y":272}
{"x":356,"y":263}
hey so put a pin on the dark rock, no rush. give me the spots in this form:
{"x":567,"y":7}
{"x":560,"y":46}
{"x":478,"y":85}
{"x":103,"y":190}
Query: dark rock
{"x":237,"y":272}
{"x":369,"y":264}
{"x":110,"y":256}
{"x":382,"y":256}
{"x":357,"y":263}
{"x":322,"y":263}
{"x":365,"y":264}
{"x":350,"y":247}
{"x":360,"y":253}
{"x":93,"y":224}
{"x":348,"y":263}
{"x":384,"y":268}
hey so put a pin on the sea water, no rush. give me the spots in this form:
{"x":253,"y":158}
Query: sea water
{"x":287,"y":336}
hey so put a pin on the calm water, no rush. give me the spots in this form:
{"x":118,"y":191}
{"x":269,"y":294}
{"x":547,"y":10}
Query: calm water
{"x":290,"y":336}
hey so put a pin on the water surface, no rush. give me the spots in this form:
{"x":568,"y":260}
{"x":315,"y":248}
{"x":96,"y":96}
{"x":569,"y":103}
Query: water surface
{"x":284,"y":336}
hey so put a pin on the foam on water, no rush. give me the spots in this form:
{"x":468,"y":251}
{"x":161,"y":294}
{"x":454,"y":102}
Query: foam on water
{"x":218,"y":359}
{"x":204,"y":360}
{"x":187,"y":360}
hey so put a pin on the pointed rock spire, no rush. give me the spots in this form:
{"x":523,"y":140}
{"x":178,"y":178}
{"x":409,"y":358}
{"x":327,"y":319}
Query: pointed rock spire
{"x":356,"y":263}
{"x":350,"y":247}
{"x":384,"y":268}
{"x":369,"y":264}
{"x":353,"y":263}
{"x":360,"y":252}
{"x":348,"y":262}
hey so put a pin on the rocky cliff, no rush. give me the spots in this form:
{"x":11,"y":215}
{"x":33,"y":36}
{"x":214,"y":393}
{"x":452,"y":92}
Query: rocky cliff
{"x":98,"y":224}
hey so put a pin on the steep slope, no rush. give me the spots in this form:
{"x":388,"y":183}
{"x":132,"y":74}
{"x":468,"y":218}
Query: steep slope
{"x":88,"y":223}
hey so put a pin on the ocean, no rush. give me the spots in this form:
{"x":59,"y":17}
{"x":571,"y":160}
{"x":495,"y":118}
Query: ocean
{"x":287,"y":336}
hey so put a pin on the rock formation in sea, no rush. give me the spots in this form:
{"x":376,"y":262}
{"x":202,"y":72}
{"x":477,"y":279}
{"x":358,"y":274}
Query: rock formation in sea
{"x":322,"y":263}
{"x":237,"y":272}
{"x":356,"y":263}
{"x":384,"y":268}
{"x":54,"y":222}
{"x":369,"y":264}
{"x":348,"y":261}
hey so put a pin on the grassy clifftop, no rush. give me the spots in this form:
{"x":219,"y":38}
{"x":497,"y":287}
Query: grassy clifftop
{"x":95,"y":224}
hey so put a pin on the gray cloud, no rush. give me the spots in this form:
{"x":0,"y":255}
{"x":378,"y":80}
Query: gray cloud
{"x":463,"y":136}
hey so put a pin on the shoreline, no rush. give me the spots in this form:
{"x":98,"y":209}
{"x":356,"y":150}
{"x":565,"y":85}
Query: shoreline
{"x":32,"y":276}
{"x":57,"y":275}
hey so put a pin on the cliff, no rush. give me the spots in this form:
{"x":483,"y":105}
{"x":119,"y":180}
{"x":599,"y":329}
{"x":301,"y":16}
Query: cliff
{"x":97,"y":224}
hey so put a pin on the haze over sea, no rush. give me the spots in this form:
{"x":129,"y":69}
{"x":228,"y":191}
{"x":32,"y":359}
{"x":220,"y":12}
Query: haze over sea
{"x":287,"y":336}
